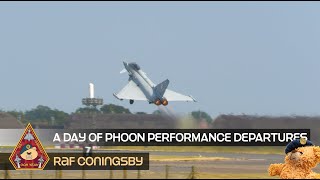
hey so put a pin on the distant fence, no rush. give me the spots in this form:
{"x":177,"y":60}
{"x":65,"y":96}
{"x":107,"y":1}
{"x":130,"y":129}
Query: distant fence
{"x":156,"y":172}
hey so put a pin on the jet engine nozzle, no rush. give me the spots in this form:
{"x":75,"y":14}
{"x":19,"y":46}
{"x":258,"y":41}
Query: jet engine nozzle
{"x":165,"y":102}
{"x":157,"y":102}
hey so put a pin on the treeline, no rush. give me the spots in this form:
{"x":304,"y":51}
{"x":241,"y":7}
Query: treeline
{"x":49,"y":116}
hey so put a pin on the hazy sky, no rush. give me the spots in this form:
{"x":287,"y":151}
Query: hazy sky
{"x":233,"y":57}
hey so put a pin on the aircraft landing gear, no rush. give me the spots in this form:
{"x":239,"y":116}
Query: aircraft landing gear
{"x":131,"y":101}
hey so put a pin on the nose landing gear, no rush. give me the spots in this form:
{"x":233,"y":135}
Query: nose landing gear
{"x":131,"y":101}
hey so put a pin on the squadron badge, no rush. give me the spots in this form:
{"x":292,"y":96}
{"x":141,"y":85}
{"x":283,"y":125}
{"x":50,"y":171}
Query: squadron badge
{"x":29,"y":153}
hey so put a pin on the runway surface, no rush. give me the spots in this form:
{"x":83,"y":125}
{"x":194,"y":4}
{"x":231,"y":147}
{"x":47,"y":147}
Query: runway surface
{"x":235,"y":163}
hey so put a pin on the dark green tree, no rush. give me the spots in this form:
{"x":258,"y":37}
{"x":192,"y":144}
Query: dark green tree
{"x":45,"y":114}
{"x":114,"y":109}
{"x":15,"y":113}
{"x":87,"y":110}
{"x":198,"y":115}
{"x":60,"y":117}
{"x":141,"y":113}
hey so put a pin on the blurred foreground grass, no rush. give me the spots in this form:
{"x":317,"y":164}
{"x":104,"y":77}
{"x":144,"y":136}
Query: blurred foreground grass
{"x":160,"y":172}
{"x":131,"y":175}
{"x":226,"y":149}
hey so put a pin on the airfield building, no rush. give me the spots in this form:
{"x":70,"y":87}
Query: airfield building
{"x":7,"y":121}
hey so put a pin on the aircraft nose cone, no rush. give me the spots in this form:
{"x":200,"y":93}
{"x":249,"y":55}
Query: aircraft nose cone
{"x":125,"y":63}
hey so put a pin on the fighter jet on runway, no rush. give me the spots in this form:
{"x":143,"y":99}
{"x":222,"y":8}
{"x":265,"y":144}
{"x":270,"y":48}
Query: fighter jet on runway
{"x":140,"y":87}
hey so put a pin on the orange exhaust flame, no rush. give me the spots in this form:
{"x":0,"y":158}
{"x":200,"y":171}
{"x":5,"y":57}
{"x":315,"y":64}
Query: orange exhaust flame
{"x":165,"y":102}
{"x":157,"y":102}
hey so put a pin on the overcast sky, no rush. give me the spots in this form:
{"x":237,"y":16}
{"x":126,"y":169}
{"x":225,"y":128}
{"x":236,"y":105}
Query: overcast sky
{"x":233,"y":57}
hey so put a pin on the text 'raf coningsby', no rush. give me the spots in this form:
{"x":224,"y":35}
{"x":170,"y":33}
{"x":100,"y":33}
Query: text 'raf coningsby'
{"x":99,"y":161}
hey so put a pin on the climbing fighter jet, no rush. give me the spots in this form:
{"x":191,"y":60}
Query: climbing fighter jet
{"x":140,"y":87}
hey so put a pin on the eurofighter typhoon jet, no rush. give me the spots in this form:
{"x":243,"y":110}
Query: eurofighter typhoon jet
{"x":140,"y":87}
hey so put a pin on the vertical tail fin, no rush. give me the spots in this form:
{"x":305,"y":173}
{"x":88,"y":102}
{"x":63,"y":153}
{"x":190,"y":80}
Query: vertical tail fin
{"x":161,"y":87}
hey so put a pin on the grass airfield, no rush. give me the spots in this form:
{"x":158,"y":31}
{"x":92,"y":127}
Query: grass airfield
{"x":177,"y":162}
